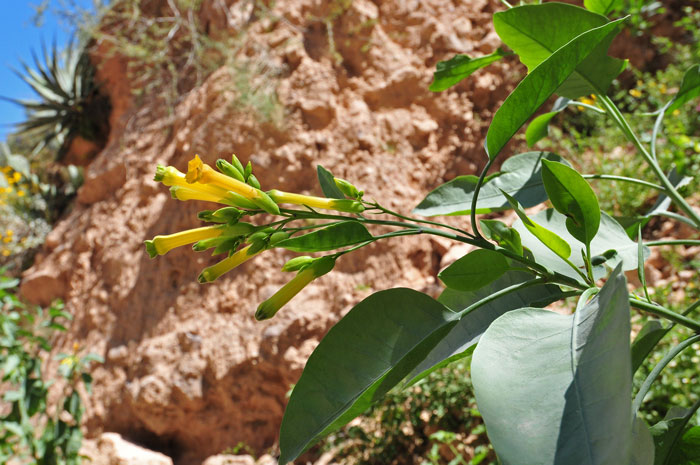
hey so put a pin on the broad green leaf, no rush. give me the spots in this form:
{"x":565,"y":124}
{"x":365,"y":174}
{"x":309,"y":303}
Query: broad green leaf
{"x":690,"y":88}
{"x":690,"y":446}
{"x":450,"y":72}
{"x":555,"y":389}
{"x":545,"y":237}
{"x":571,"y":196}
{"x":611,"y":243}
{"x":548,"y":76}
{"x":602,"y":7}
{"x":329,"y":238}
{"x":363,"y":356}
{"x":668,"y":433}
{"x":520,"y":176}
{"x":325,"y":179}
{"x":474,"y":270}
{"x":642,"y":443}
{"x":535,"y":32}
{"x":506,"y":237}
{"x":464,"y":336}
{"x":647,"y":338}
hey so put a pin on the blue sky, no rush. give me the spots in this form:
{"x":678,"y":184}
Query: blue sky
{"x":18,"y":36}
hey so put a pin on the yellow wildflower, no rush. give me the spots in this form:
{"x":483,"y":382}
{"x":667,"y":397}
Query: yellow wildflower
{"x":7,"y":239}
{"x":161,"y":245}
{"x":343,"y":205}
{"x":211,"y":273}
{"x":197,"y":171}
{"x":9,"y":232}
{"x":6,"y":169}
{"x":635,"y":93}
{"x":663,"y":89}
{"x":676,"y":112}
{"x":587,"y":101}
{"x":20,"y":193}
{"x":5,"y":253}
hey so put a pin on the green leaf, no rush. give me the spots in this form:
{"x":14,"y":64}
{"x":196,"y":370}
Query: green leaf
{"x":450,"y":72}
{"x":690,"y":445}
{"x":642,"y":443}
{"x":520,"y":176}
{"x":474,"y":270}
{"x":611,"y":243}
{"x":602,"y":7}
{"x":555,"y":389}
{"x":539,"y":127}
{"x":535,"y":32}
{"x":690,"y":88}
{"x":363,"y":356}
{"x":546,"y":237}
{"x":549,"y":75}
{"x":327,"y":182}
{"x":571,"y":196}
{"x":647,"y":338}
{"x":464,"y":336}
{"x":506,"y":237}
{"x":669,"y":431}
{"x":330,"y":238}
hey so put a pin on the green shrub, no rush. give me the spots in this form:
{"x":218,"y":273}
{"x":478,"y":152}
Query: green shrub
{"x":32,"y":430}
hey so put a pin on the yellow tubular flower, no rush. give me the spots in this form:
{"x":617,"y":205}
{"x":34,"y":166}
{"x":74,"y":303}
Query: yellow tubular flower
{"x":171,"y":176}
{"x":161,"y":245}
{"x":271,"y":306}
{"x":211,"y":273}
{"x":342,"y":205}
{"x":197,"y":171}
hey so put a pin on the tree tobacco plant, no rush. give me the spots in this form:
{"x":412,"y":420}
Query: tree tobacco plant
{"x":552,"y":388}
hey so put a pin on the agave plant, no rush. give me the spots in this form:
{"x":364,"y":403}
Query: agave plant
{"x":70,"y":104}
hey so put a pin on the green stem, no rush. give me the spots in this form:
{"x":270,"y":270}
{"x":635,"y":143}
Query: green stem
{"x":624,"y":179}
{"x":674,"y":216}
{"x":502,"y":292}
{"x":670,"y":190}
{"x":433,"y":223}
{"x":673,"y":242}
{"x":666,"y":313}
{"x":475,"y":225}
{"x":657,"y":370}
{"x":576,"y":103}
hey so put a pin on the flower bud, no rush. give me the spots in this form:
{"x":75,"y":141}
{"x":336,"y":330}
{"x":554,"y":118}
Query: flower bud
{"x":348,"y":189}
{"x":297,"y":263}
{"x":161,"y":245}
{"x":343,"y":205}
{"x":253,"y":181}
{"x":271,"y":306}
{"x":228,"y":169}
{"x":211,"y":273}
{"x":278,"y":236}
{"x":237,"y":164}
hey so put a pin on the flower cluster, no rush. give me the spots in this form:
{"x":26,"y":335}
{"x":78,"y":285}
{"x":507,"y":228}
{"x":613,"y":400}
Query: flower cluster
{"x":238,"y":190}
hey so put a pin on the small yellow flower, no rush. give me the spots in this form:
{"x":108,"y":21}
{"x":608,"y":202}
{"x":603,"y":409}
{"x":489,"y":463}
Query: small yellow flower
{"x":6,"y":169}
{"x":343,"y":205}
{"x":16,"y":176}
{"x":9,"y":232}
{"x":663,"y":89}
{"x":161,"y":245}
{"x":587,"y":101}
{"x":67,"y":361}
{"x":676,"y":112}
{"x":7,"y":239}
{"x":211,"y":273}
{"x":197,"y":171}
{"x":635,"y":93}
{"x":5,"y":253}
{"x":76,"y":347}
{"x":20,"y":193}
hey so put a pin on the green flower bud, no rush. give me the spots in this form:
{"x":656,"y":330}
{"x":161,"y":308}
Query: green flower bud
{"x":297,"y":263}
{"x":253,"y":181}
{"x":278,"y":236}
{"x":266,"y":203}
{"x":237,"y":164}
{"x":248,"y":170}
{"x":257,"y":246}
{"x":348,"y":189}
{"x":228,"y":169}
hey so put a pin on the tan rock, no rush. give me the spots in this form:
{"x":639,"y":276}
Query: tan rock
{"x":112,"y":449}
{"x":224,"y":459}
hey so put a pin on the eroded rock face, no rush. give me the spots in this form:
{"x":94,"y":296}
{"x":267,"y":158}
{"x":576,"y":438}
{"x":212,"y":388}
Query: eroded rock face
{"x":187,"y":369}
